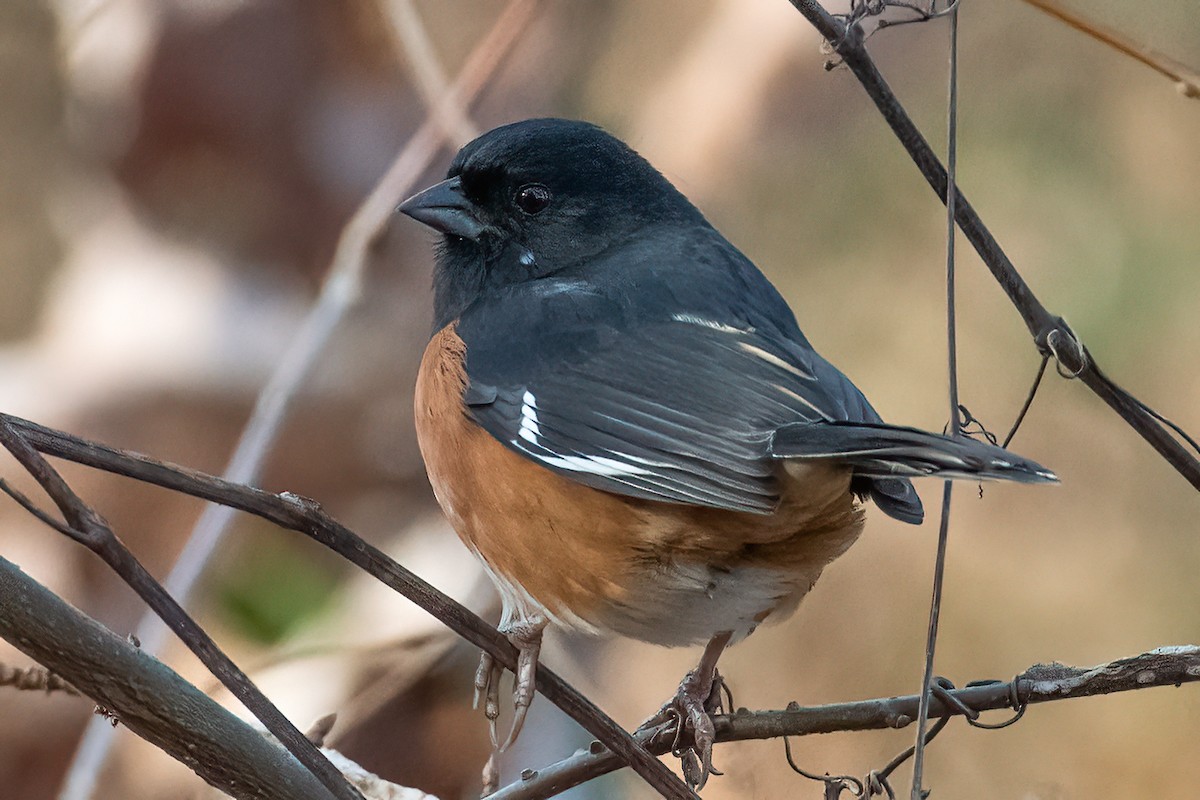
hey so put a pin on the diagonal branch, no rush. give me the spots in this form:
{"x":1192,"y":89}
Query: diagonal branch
{"x":88,"y":528}
{"x":1042,"y":683}
{"x":339,"y":293}
{"x":439,"y":97}
{"x":1051,"y":333}
{"x":34,"y":679}
{"x":1186,"y":81}
{"x":192,"y":727}
{"x":305,"y":516}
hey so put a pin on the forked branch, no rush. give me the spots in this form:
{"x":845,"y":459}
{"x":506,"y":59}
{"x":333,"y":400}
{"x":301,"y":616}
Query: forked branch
{"x":296,"y":513}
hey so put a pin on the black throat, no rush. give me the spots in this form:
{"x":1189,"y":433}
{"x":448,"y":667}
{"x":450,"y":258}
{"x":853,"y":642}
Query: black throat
{"x":464,"y":270}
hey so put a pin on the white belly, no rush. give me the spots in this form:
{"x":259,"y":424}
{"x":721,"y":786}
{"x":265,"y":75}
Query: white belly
{"x":689,"y":603}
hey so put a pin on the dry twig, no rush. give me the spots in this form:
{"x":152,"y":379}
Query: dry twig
{"x":439,"y":96}
{"x":1186,"y":81}
{"x":150,"y":698}
{"x":1042,"y":683}
{"x":339,"y":293}
{"x":296,"y":513}
{"x":86,"y":527}
{"x":1051,"y":333}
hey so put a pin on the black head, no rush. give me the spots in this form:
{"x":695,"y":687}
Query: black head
{"x":534,"y":198}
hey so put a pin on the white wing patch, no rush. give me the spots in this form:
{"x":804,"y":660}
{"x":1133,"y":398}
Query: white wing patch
{"x":531,"y":432}
{"x":596,"y":465}
{"x":691,"y":319}
{"x":757,"y":352}
{"x":546,"y":287}
{"x":775,"y":360}
{"x":802,"y":400}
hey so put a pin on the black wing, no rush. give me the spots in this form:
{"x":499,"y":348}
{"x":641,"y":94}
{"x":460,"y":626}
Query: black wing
{"x":660,"y":369}
{"x":680,"y":410}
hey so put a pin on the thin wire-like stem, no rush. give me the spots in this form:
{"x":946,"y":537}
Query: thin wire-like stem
{"x":1037,"y":382}
{"x":339,"y":293}
{"x":939,"y":568}
{"x":935,"y":607}
{"x":1043,"y":326}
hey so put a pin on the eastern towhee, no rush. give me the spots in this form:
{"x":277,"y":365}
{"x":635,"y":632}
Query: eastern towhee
{"x":620,"y":416}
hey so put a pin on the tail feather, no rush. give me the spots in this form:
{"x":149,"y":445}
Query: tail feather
{"x":887,"y":452}
{"x":895,"y":497}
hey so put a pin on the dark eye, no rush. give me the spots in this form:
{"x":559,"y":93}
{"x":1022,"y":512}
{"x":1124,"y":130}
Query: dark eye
{"x":532,"y":198}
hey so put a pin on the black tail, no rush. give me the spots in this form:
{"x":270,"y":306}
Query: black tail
{"x":888,"y":451}
{"x":881,"y":454}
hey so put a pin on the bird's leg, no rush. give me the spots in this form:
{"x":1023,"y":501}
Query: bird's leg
{"x":697,"y":697}
{"x":526,"y":636}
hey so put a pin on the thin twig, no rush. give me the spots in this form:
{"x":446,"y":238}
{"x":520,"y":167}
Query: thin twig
{"x":296,"y":513}
{"x":439,"y":97}
{"x":1042,"y":683}
{"x":1050,"y":332}
{"x":339,"y":293}
{"x":939,"y":566}
{"x":88,"y":528}
{"x":39,"y":514}
{"x":1033,"y":390}
{"x":1186,"y":81}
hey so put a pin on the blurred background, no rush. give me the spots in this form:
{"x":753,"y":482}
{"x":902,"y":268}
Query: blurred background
{"x":175,"y":176}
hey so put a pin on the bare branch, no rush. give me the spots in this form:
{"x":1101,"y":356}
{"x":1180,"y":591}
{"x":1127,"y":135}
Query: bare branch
{"x":1186,"y":81}
{"x":339,"y":293}
{"x":1051,"y":333}
{"x":88,"y":528}
{"x":1042,"y":683}
{"x":306,"y":516}
{"x":439,"y":97}
{"x":192,"y":728}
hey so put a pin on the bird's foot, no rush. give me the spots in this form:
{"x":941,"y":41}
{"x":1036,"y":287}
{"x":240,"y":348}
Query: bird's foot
{"x":526,"y":636}
{"x":695,"y":702}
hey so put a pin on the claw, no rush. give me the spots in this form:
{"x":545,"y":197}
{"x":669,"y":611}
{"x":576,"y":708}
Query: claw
{"x":483,"y":677}
{"x":525,"y":684}
{"x":693,"y":770}
{"x":526,"y":636}
{"x":703,"y":736}
{"x":698,"y":697}
{"x":487,"y":690}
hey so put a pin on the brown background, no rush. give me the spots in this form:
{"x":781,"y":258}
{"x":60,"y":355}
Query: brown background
{"x":174,"y":178}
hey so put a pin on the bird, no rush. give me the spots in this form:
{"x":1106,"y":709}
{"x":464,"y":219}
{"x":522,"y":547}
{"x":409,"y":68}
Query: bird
{"x":621,"y":418}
